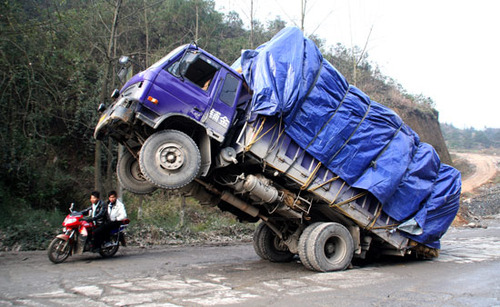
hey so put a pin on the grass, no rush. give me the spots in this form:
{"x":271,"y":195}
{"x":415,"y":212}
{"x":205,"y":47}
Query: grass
{"x":162,"y":218}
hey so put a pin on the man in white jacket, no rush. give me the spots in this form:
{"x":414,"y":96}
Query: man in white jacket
{"x":116,"y":213}
{"x":116,"y":209}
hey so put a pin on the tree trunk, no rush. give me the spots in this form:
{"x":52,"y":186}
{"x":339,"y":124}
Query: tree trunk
{"x":104,"y":90}
{"x":146,"y":30}
{"x":183,"y":212}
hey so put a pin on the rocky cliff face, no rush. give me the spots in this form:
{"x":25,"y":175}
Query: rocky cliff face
{"x":426,"y":124}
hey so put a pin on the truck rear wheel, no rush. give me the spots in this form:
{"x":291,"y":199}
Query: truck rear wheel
{"x":327,"y":247}
{"x":303,"y":244}
{"x":170,"y":159}
{"x":130,"y":176}
{"x":269,"y":246}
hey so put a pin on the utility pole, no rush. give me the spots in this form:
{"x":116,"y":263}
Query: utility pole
{"x":146,"y":25}
{"x":303,"y":4}
{"x":196,"y":30}
{"x":251,"y":24}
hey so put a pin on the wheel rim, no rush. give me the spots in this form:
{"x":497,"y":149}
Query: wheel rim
{"x":61,"y":249}
{"x":280,"y":245}
{"x":130,"y":175}
{"x":170,"y":157}
{"x":135,"y":171}
{"x":334,"y":249}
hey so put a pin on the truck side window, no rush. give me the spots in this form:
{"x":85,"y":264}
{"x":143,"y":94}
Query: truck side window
{"x":228,"y":92}
{"x":200,"y":72}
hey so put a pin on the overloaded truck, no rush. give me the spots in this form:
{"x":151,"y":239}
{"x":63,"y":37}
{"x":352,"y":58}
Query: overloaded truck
{"x":280,"y":137}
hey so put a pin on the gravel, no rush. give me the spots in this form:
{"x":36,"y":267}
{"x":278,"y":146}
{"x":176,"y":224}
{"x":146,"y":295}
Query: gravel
{"x":486,"y":202}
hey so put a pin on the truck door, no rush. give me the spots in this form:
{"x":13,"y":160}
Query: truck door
{"x":184,"y":86}
{"x":220,"y":113}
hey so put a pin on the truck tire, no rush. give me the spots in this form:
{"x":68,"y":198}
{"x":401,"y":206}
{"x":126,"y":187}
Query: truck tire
{"x":269,"y":246}
{"x":303,"y":245}
{"x":170,"y":159}
{"x":329,"y":247}
{"x":130,"y":176}
{"x":256,"y":238}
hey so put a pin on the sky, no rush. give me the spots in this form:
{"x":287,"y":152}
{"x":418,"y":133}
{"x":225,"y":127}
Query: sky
{"x":446,"y":50}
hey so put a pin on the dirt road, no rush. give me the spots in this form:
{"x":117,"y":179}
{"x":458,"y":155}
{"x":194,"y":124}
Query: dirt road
{"x":486,"y":169}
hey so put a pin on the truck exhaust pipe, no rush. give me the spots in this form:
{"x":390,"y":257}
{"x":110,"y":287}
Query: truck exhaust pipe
{"x":238,"y":203}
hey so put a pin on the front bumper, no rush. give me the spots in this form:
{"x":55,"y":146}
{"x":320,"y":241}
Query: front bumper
{"x":116,"y":121}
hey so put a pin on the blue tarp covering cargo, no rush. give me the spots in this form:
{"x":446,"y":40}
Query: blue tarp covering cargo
{"x":362,"y":141}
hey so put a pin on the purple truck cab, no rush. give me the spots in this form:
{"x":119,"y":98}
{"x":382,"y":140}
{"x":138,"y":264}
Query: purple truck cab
{"x":180,"y":107}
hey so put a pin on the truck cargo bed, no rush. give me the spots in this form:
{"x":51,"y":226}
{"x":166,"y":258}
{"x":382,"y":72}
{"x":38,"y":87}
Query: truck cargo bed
{"x":266,"y":140}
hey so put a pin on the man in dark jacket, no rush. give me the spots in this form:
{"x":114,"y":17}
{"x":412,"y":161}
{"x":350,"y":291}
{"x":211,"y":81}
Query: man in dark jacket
{"x":97,"y":212}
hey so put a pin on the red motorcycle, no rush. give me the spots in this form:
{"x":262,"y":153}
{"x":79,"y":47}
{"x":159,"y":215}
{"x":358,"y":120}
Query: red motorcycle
{"x":75,"y":238}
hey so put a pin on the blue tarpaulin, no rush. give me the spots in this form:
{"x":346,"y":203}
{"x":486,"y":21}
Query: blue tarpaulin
{"x":362,"y":141}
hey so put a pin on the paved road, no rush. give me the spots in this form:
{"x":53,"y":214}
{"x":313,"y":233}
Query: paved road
{"x":466,"y":274}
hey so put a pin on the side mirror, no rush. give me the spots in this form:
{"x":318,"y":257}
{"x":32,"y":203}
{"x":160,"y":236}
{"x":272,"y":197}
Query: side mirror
{"x":122,"y":74}
{"x":71,"y":207}
{"x":124,"y":60}
{"x":101,"y":108}
{"x":186,"y":61}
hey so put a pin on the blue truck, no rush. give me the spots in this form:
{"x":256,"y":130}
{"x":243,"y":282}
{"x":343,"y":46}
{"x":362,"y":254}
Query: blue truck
{"x":282,"y":139}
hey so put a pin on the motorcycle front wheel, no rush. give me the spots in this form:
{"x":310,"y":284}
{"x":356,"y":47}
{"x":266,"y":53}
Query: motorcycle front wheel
{"x":59,"y":250}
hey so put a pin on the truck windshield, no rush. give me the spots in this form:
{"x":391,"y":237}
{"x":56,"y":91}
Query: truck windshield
{"x":170,"y":55}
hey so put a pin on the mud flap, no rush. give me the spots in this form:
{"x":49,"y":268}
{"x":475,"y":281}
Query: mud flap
{"x":424,"y":252}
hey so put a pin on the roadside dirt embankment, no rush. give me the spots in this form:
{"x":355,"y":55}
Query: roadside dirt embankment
{"x":426,"y":125}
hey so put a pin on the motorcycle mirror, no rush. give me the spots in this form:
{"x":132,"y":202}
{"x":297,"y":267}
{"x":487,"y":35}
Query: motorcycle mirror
{"x":71,"y":207}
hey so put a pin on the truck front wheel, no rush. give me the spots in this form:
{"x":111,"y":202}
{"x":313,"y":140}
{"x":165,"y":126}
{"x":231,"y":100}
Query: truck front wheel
{"x":326,"y":247}
{"x":170,"y":159}
{"x":130,"y":175}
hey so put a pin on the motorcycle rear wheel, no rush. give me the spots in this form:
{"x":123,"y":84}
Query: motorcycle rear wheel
{"x":107,"y":252}
{"x":59,"y":250}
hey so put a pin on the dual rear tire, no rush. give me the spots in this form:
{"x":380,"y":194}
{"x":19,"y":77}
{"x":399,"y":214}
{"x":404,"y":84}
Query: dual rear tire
{"x":326,"y":247}
{"x":323,"y":247}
